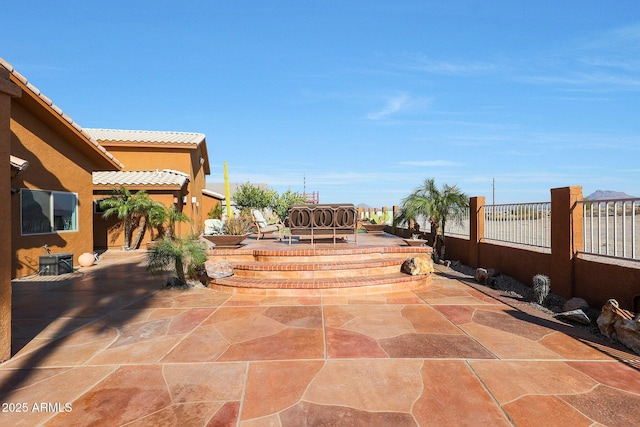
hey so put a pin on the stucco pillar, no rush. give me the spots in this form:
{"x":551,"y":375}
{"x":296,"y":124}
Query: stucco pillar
{"x":476,"y":229}
{"x":7,"y":90}
{"x":566,"y":238}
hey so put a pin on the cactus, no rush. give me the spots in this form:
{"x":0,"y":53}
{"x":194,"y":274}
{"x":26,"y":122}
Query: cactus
{"x":541,"y":286}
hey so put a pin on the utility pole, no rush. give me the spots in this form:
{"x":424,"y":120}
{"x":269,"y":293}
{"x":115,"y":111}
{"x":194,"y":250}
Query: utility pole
{"x":493,"y":186}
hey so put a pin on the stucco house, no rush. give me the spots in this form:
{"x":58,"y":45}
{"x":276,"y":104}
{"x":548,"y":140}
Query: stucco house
{"x":55,"y":170}
{"x":52,"y":163}
{"x":170,"y":166}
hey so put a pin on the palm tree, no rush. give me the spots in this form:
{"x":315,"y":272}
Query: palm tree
{"x":173,"y":216}
{"x":149,"y":213}
{"x":121,"y":205}
{"x":132,"y":210}
{"x":437,"y":205}
{"x":186,"y":257}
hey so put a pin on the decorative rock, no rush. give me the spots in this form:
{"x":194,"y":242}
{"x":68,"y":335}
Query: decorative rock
{"x":574,"y":304}
{"x":482,"y":275}
{"x":619,"y":324}
{"x":87,"y":259}
{"x":485,"y":276}
{"x":218,"y":269}
{"x":417,"y":266}
{"x":577,"y":316}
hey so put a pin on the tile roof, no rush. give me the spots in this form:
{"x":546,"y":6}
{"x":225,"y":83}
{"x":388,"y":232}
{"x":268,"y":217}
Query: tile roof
{"x":57,"y":110}
{"x":213,"y":194}
{"x":158,"y":178}
{"x":146,"y":136}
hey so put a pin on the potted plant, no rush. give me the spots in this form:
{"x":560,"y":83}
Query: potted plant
{"x":183,"y":258}
{"x":415,"y":240}
{"x":375,"y":223}
{"x":229,"y":234}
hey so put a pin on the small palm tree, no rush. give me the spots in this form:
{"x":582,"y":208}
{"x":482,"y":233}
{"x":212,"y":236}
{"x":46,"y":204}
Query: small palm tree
{"x":437,"y":205}
{"x":148,"y":212}
{"x":127,"y":207}
{"x":174,"y":216}
{"x":185,"y":257}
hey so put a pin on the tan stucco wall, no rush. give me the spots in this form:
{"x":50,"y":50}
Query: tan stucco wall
{"x":185,"y":160}
{"x":7,"y":90}
{"x":208,"y":203}
{"x":54,"y":164}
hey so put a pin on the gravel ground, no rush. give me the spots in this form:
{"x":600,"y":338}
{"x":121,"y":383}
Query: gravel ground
{"x":522,"y":293}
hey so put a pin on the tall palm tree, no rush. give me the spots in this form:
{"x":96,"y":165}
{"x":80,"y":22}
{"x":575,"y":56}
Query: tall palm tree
{"x":131,"y":209}
{"x":149,"y":212}
{"x":437,"y":205}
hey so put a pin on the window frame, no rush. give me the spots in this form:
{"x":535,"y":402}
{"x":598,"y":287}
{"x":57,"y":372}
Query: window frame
{"x":51,"y":214}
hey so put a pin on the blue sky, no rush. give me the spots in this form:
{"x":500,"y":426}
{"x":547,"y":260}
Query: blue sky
{"x":363,"y":99}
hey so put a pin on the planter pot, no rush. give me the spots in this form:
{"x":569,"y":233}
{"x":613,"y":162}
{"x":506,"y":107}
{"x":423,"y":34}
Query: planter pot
{"x":415,"y":242}
{"x":374,"y":228}
{"x":87,"y":259}
{"x":226,"y":240}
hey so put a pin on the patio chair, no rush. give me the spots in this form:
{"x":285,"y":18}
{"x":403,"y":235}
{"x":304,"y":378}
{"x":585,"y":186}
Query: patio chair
{"x":263,"y":227}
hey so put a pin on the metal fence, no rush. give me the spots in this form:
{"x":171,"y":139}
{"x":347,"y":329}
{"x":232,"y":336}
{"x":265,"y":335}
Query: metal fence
{"x":458,"y":225}
{"x":611,"y":228}
{"x":523,"y":223}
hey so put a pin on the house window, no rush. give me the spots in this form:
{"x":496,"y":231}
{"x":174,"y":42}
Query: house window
{"x":48,"y":211}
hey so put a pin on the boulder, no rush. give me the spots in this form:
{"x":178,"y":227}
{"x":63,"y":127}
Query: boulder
{"x":619,"y":324}
{"x":482,"y":275}
{"x":485,"y":276}
{"x":417,"y":266}
{"x":576,"y":316}
{"x":218,"y":269}
{"x":575,"y":304}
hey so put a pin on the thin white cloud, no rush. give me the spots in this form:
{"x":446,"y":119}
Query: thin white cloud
{"x":418,"y":62}
{"x":393,"y":105}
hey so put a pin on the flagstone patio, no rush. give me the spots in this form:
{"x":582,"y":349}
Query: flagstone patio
{"x":107,"y":346}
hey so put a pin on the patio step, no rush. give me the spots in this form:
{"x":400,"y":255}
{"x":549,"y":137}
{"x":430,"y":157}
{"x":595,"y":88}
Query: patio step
{"x":339,"y":285}
{"x":363,"y":269}
{"x":292,"y":254}
{"x":317,"y":270}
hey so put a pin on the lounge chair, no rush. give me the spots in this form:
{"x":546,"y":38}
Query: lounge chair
{"x":263,"y":227}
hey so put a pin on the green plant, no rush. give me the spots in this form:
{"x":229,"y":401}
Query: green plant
{"x":174,"y":216}
{"x":437,"y":205}
{"x":541,"y":287}
{"x":184,"y":257}
{"x":215,"y":212}
{"x":283,"y":202}
{"x":383,"y":218}
{"x":253,"y":197}
{"x":133,"y":211}
{"x":237,"y":226}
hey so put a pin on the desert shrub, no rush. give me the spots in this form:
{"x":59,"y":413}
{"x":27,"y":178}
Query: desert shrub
{"x":253,"y":197}
{"x":183,"y":257}
{"x":541,"y":287}
{"x":237,"y":226}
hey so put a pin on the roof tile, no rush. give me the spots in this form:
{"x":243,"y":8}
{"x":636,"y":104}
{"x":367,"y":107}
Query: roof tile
{"x":145,"y":136}
{"x":155,"y":178}
{"x":56,"y":109}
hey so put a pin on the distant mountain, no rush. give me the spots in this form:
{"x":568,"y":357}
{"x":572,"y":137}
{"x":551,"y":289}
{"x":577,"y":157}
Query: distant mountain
{"x":607,"y":194}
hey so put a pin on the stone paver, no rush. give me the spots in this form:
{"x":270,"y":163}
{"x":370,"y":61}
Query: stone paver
{"x":107,"y":346}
